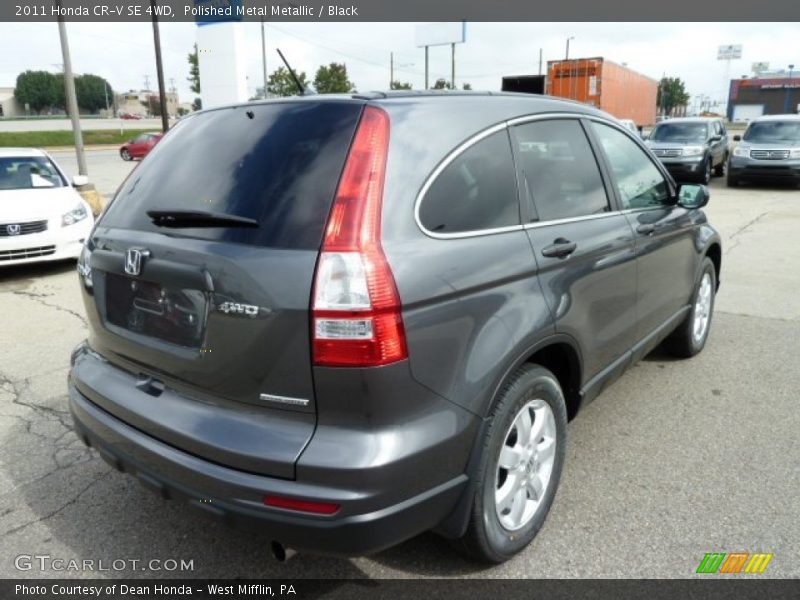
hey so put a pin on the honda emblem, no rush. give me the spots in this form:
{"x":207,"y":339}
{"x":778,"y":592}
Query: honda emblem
{"x":133,"y":260}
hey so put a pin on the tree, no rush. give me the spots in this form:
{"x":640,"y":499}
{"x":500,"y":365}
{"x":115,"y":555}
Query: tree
{"x":197,"y":104}
{"x":466,"y":86}
{"x":93,"y":92}
{"x":671,"y":94}
{"x":400,"y":85}
{"x":152,"y":104}
{"x":59,"y":98}
{"x":281,"y":83}
{"x":37,"y":89}
{"x":194,"y":71}
{"x":333,"y":80}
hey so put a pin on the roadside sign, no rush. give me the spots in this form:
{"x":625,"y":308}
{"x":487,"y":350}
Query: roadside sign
{"x":441,"y":34}
{"x":729,"y":52}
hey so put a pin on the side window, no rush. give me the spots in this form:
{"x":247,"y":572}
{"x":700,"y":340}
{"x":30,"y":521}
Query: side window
{"x":640,"y":183}
{"x":559,"y":169}
{"x":140,"y":139}
{"x":476,"y":191}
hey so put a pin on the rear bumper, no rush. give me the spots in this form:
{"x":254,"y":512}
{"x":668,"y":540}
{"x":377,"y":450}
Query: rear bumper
{"x":386,"y":504}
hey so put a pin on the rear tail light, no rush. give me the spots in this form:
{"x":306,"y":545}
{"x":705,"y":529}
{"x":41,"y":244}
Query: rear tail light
{"x":356,"y":308}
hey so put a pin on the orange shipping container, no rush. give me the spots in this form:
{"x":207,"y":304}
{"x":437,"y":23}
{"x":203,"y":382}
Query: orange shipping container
{"x":613,"y":88}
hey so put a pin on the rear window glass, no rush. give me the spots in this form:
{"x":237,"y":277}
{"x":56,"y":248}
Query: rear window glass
{"x":276,"y":163}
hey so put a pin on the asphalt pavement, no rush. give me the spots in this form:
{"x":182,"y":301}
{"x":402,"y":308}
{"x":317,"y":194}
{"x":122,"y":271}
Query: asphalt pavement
{"x":676,"y":459}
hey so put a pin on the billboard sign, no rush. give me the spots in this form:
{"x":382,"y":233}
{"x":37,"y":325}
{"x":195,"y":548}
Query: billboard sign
{"x":760,"y":67}
{"x":440,"y":34}
{"x":729,"y":52}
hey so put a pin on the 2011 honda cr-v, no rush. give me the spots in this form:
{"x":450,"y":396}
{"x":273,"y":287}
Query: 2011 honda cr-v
{"x":355,"y":318}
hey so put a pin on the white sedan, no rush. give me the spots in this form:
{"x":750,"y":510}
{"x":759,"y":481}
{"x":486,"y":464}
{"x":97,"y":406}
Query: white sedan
{"x":42,"y":217}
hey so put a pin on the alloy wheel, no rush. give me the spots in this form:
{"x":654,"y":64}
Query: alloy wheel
{"x":525,"y":465}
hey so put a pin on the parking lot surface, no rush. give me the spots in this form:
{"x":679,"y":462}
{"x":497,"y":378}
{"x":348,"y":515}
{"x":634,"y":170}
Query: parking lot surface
{"x":676,"y":459}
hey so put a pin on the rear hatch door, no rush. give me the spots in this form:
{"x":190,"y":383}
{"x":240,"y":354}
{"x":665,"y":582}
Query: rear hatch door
{"x":202,"y":270}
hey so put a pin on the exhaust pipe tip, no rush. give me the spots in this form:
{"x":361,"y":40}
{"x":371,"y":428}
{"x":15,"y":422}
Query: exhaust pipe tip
{"x":280,"y":552}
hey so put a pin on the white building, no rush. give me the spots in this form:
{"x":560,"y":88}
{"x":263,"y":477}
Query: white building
{"x":9,"y":107}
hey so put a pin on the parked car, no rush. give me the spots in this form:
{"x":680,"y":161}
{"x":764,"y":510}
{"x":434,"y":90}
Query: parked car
{"x":630,"y":125}
{"x":140,"y":146}
{"x":130,"y":117}
{"x":347,"y":331}
{"x":41,"y":216}
{"x":692,"y":148}
{"x":769,"y":150}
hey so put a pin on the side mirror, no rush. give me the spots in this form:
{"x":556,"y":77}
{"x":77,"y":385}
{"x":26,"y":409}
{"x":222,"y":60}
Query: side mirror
{"x":80,"y":180}
{"x":692,"y":195}
{"x":737,"y":138}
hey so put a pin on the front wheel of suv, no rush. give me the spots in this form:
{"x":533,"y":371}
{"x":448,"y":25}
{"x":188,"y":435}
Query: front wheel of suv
{"x":691,"y":335}
{"x":719,"y":170}
{"x":705,"y":176}
{"x":520,"y":467}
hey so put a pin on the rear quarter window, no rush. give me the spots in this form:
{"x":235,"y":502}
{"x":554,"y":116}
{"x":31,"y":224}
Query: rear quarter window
{"x":277,"y":163}
{"x":476,"y":191}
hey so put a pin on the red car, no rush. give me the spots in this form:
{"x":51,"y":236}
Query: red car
{"x":139,"y":146}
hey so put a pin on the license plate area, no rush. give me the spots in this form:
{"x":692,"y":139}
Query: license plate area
{"x":171,"y":314}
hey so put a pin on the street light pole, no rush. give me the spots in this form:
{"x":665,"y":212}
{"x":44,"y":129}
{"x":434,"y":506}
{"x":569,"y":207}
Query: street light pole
{"x":264,"y":56}
{"x":69,"y":92}
{"x":787,"y":101}
{"x":162,"y":94}
{"x":566,"y":55}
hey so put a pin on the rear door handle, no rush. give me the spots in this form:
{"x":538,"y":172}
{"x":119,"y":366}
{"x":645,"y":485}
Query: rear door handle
{"x":647,"y":229}
{"x":560,"y":248}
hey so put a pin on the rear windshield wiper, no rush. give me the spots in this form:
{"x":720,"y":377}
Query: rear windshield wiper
{"x":198,"y":218}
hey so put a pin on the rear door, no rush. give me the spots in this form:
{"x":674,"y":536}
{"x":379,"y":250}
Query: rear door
{"x":583,"y":244}
{"x":666,"y":256}
{"x":220,"y":310}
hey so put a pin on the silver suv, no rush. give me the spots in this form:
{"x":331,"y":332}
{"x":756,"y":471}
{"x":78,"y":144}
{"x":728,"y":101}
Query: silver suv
{"x":692,"y":149}
{"x":768,"y":150}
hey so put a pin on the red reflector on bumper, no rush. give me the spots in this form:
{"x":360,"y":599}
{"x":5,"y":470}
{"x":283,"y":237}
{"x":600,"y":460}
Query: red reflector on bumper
{"x":309,"y":506}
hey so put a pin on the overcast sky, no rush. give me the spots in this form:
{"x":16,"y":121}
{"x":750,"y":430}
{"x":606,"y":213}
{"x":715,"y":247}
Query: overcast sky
{"x":123,"y":52}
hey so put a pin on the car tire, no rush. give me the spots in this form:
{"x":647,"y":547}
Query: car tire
{"x":705,"y":176}
{"x":126,"y":156}
{"x":690,"y":337}
{"x":496,"y":534}
{"x":719,"y":170}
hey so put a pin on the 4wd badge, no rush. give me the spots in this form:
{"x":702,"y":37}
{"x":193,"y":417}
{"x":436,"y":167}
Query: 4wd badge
{"x":234,"y":308}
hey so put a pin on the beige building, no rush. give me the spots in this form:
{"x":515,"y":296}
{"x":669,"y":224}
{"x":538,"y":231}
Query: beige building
{"x":138,"y":103}
{"x":9,"y":107}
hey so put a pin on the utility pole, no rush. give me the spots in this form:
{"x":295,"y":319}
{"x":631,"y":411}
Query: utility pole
{"x":540,"y":61}
{"x":108,"y":108}
{"x":452,"y":66}
{"x":391,"y":69}
{"x":147,"y":82}
{"x":264,"y":56}
{"x":426,"y":67}
{"x":566,"y":55}
{"x":159,"y":70}
{"x":69,"y":92}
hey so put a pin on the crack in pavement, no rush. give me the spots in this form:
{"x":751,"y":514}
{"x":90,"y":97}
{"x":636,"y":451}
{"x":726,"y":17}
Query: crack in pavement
{"x":742,"y":230}
{"x":38,"y":297}
{"x":61,"y":508}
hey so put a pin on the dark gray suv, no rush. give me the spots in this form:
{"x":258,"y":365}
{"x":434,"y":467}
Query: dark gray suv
{"x":351,"y":319}
{"x":692,"y":148}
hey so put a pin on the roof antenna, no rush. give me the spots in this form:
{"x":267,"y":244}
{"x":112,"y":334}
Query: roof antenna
{"x":300,"y":86}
